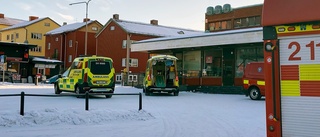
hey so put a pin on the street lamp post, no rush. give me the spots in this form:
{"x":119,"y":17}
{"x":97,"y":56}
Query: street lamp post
{"x":86,"y":35}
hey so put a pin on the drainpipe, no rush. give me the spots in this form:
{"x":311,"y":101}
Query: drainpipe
{"x":26,"y":41}
{"x":76,"y":49}
{"x":128,"y":56}
{"x":65,"y":50}
{"x":61,"y":47}
{"x":96,"y":46}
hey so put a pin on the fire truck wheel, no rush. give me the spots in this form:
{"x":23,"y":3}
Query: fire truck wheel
{"x":254,"y":93}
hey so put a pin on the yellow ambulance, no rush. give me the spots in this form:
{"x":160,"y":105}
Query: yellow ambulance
{"x":94,"y":74}
{"x":161,"y":75}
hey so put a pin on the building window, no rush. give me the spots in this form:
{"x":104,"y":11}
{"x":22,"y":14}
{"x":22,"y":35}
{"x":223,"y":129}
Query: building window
{"x":47,"y":24}
{"x":132,"y":62}
{"x":8,"y":37}
{"x":133,"y":78}
{"x":257,"y":20}
{"x":220,"y":25}
{"x":57,"y":39}
{"x":112,"y":28}
{"x":212,"y":62}
{"x":12,"y":38}
{"x":49,"y":44}
{"x":70,"y":43}
{"x":70,"y":58}
{"x":36,"y":49}
{"x":246,"y":55}
{"x":124,"y":44}
{"x":118,"y":78}
{"x":226,"y":25}
{"x":55,"y":54}
{"x":36,"y":36}
{"x":192,"y":63}
{"x":247,"y":22}
{"x":94,"y":28}
{"x":17,"y":35}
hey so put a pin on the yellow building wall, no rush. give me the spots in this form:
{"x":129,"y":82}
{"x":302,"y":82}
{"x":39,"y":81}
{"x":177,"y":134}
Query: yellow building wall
{"x":90,"y":26}
{"x":12,"y":35}
{"x":25,"y":34}
{"x":39,"y":27}
{"x":1,"y":27}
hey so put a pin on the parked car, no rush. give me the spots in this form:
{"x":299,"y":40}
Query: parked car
{"x":8,"y":76}
{"x":51,"y":80}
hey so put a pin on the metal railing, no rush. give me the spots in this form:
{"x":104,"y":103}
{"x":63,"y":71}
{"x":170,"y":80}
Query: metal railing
{"x":86,"y":95}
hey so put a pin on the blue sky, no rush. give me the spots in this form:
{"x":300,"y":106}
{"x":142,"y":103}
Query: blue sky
{"x":189,"y":14}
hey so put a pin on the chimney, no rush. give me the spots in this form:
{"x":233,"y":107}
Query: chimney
{"x":64,"y":23}
{"x":86,"y":19}
{"x":154,"y":22}
{"x":116,"y":16}
{"x":1,"y":15}
{"x":31,"y":18}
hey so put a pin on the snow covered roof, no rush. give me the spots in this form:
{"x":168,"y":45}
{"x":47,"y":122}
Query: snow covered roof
{"x":201,"y":35}
{"x":239,"y":36}
{"x":10,"y":21}
{"x":152,"y":30}
{"x":68,"y":28}
{"x":24,"y":24}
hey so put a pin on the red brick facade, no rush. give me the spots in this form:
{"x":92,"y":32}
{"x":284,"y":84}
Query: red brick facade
{"x":232,"y":16}
{"x":109,"y":43}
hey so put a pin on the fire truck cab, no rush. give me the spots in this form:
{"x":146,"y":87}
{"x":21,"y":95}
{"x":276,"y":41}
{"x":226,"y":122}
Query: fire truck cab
{"x":253,"y":80}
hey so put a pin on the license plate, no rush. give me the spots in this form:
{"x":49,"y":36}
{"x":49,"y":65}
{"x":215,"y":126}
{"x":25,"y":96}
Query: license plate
{"x":101,"y":82}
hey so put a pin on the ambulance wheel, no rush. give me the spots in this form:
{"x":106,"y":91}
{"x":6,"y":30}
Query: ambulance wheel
{"x":56,"y":89}
{"x":78,"y":91}
{"x":108,"y":96}
{"x":147,"y":92}
{"x":176,"y":93}
{"x":254,"y":93}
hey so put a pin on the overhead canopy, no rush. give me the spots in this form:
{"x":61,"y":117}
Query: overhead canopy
{"x":45,"y":61}
{"x":28,"y":46}
{"x":240,"y":36}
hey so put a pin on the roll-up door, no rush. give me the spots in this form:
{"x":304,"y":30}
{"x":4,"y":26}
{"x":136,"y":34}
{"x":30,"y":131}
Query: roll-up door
{"x":300,"y":85}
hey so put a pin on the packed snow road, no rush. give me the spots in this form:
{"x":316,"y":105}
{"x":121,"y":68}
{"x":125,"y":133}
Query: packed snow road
{"x":163,"y":115}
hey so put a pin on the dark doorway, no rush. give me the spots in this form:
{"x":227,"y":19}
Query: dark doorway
{"x":228,"y":67}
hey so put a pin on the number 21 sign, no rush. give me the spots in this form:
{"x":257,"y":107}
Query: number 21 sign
{"x":300,"y":50}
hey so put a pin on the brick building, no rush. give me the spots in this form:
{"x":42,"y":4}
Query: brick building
{"x":115,"y":38}
{"x":68,"y":41}
{"x":214,"y":61}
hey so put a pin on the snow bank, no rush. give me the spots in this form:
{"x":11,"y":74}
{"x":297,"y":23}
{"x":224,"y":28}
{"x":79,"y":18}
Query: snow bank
{"x":8,"y":85}
{"x":50,"y":117}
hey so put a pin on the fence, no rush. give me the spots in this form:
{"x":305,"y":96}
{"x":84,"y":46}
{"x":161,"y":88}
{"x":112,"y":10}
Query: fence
{"x":86,"y":95}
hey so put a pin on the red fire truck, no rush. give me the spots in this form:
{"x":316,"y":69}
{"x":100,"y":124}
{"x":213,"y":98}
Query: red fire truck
{"x":291,"y":34}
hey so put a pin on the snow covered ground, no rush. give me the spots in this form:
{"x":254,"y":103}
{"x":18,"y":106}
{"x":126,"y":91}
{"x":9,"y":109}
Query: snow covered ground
{"x":163,"y":115}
